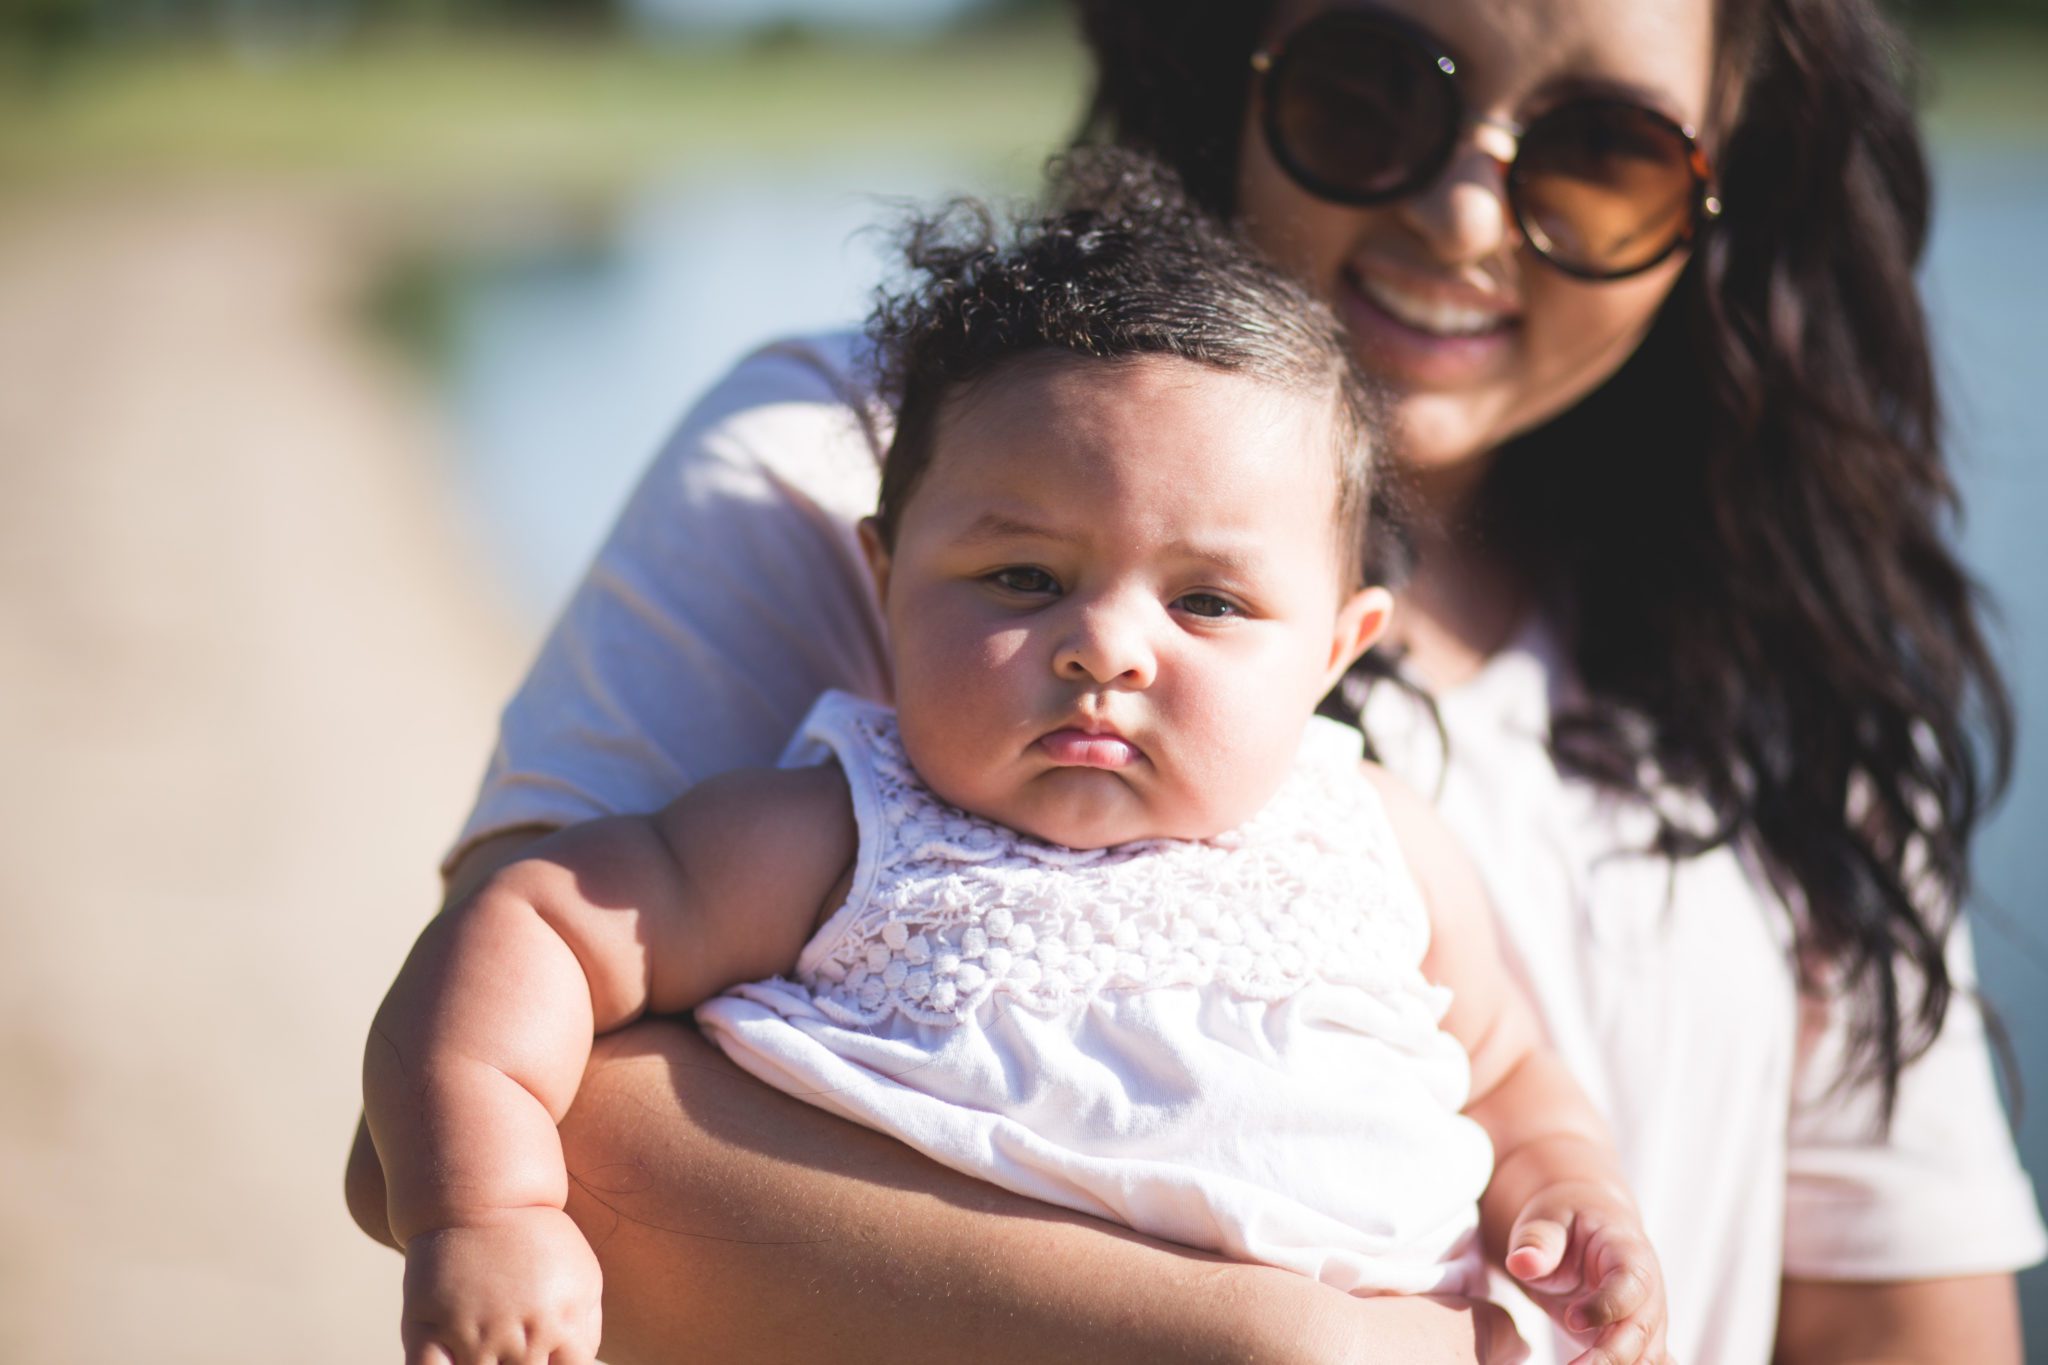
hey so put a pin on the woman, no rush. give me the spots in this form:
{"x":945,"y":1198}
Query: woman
{"x":1705,"y":668}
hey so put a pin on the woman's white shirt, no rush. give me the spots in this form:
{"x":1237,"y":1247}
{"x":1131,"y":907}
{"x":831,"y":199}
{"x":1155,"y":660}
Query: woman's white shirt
{"x":732,"y":592}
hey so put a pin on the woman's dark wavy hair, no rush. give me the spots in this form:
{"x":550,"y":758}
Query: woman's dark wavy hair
{"x":1749,"y":522}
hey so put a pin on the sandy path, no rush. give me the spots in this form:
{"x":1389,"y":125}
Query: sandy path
{"x":246,"y":683}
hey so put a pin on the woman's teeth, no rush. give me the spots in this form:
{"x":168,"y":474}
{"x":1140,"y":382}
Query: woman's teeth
{"x":1431,"y":315}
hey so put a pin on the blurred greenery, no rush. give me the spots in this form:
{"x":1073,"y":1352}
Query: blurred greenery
{"x":564,"y":105}
{"x":530,"y":112}
{"x":1986,"y":82}
{"x":52,"y":29}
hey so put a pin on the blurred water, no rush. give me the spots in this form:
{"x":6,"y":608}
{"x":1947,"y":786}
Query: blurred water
{"x":567,"y":366}
{"x":1988,"y":295}
{"x":693,"y":18}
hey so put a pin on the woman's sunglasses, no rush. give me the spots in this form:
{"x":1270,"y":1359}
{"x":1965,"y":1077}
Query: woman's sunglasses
{"x":1363,"y":108}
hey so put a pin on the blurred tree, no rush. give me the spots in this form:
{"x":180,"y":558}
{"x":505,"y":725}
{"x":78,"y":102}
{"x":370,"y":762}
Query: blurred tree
{"x":1940,"y":13}
{"x":39,"y":39}
{"x":54,"y":26}
{"x":593,"y":14}
{"x":46,"y":24}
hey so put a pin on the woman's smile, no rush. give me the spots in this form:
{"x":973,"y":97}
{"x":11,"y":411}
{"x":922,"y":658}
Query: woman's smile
{"x":1423,"y":337}
{"x":1479,"y":337}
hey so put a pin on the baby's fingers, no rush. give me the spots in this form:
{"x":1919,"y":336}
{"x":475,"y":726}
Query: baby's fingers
{"x":1634,"y":1342}
{"x":1625,"y":1288}
{"x":1625,"y":1343}
{"x":1544,"y":1255}
{"x":425,"y":1350}
{"x":1626,"y":1309}
{"x":501,"y":1349}
{"x":1536,"y":1248}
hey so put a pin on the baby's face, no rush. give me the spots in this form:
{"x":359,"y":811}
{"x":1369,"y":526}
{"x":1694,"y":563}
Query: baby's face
{"x":1114,"y":598}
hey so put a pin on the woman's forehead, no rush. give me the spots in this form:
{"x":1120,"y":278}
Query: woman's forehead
{"x":1512,"y":52}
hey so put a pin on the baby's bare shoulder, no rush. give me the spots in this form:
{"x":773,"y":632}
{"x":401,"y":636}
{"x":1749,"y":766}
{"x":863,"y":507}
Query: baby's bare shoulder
{"x":757,"y":852}
{"x":1459,"y":908}
{"x":762,"y":827}
{"x":1426,"y":842}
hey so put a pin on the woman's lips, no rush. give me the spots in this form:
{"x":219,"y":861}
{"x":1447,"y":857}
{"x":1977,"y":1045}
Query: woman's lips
{"x":1081,"y":749}
{"x":1419,"y":339}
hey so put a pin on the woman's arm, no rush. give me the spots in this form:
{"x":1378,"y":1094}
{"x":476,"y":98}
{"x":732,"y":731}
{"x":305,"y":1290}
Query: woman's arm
{"x":1901,"y":1239}
{"x":734,"y":1223}
{"x":1970,"y":1320}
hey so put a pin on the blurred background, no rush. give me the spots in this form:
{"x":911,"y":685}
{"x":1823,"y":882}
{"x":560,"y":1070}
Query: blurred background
{"x":332,"y":333}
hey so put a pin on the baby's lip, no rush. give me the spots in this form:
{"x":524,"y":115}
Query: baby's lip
{"x":1089,"y":742}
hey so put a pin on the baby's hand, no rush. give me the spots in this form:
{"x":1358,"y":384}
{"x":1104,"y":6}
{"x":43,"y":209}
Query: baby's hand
{"x":523,"y":1290}
{"x":1581,"y":1253}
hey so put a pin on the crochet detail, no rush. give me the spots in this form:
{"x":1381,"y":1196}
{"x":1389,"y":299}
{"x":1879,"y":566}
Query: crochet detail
{"x":961,"y":909}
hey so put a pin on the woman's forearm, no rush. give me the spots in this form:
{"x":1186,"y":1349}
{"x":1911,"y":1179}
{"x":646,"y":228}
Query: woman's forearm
{"x":737,"y":1224}
{"x":1973,"y":1319}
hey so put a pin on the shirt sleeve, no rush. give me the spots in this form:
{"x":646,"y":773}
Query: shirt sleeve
{"x":730,"y":593}
{"x":1942,"y":1194}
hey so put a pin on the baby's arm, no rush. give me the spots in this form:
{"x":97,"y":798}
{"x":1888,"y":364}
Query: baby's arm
{"x":1557,"y":1213}
{"x":475,"y":1055}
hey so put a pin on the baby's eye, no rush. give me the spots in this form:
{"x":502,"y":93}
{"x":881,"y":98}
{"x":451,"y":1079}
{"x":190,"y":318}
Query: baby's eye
{"x":1032,"y":582}
{"x":1208,"y":606}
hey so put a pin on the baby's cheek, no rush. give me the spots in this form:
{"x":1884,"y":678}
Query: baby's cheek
{"x":1246,"y":754}
{"x":998,"y":650}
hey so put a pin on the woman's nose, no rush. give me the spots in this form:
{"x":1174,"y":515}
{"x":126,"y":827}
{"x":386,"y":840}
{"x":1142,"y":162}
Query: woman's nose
{"x":1463,"y":216}
{"x":1108,"y":646}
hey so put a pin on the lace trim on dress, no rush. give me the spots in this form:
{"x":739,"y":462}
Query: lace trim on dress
{"x":959,"y":909}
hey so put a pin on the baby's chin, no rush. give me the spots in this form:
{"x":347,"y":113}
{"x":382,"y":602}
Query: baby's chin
{"x":1083,"y":809}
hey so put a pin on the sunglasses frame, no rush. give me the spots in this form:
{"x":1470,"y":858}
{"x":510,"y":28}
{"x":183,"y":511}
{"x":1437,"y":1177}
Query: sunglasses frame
{"x":1271,"y":63}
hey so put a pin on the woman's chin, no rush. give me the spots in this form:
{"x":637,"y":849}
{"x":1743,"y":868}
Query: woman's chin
{"x":1437,"y":435}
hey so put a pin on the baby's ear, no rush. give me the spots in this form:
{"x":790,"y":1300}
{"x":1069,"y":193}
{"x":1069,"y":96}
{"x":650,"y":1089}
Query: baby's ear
{"x":877,"y":554}
{"x":1361,"y":620}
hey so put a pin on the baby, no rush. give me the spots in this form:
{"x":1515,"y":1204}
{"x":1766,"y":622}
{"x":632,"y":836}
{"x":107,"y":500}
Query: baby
{"x":1098,"y":912}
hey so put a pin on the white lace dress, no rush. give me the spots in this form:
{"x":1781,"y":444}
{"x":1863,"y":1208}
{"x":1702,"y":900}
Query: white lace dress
{"x":1225,"y":1043}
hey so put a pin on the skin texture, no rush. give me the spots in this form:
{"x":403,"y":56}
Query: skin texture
{"x":1071,"y":565}
{"x":1915,"y":1322}
{"x":1152,"y":573}
{"x":736,"y":1224}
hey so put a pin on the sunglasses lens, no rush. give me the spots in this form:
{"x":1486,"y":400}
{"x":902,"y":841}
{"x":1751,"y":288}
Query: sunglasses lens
{"x":1357,"y":110}
{"x":1604,"y":188}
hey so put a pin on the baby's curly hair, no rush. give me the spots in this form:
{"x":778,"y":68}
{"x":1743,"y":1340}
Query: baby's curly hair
{"x":1126,"y":266}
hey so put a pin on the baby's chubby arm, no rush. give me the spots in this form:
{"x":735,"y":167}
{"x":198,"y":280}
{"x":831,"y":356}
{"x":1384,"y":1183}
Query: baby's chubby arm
{"x":1557,"y":1213}
{"x":476,"y":1052}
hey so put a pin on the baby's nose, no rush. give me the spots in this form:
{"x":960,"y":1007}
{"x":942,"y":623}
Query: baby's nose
{"x":1108,"y":646}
